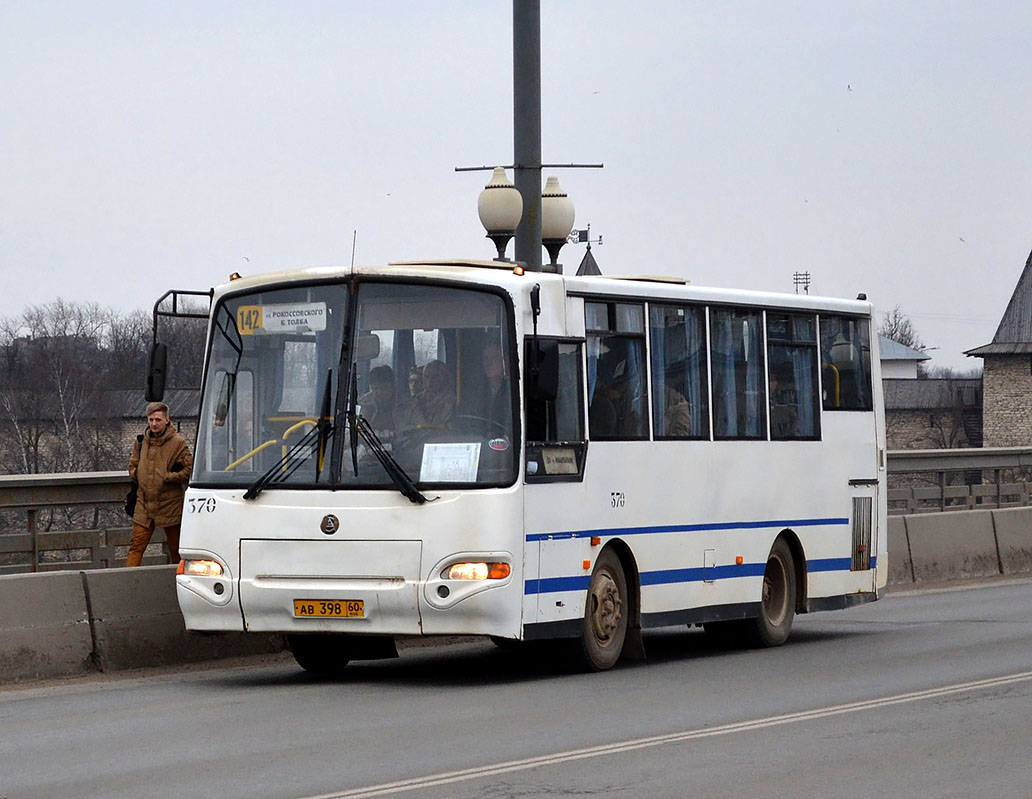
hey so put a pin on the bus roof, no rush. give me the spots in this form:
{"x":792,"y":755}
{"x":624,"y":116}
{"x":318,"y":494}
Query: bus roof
{"x":632,"y":287}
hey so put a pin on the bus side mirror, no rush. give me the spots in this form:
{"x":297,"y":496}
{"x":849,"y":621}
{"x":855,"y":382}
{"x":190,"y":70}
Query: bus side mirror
{"x":155,"y":390}
{"x":543,"y":369}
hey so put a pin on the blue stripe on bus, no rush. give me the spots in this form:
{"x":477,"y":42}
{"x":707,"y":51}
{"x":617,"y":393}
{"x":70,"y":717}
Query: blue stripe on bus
{"x":684,"y":528}
{"x":555,"y":585}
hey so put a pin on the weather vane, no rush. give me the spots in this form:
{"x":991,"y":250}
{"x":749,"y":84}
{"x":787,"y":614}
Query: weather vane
{"x":583,"y":237}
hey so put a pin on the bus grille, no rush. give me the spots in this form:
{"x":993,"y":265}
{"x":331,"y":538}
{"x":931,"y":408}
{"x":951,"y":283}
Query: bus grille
{"x":862,"y":520}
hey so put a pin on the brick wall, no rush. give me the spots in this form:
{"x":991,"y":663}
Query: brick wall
{"x":924,"y":429}
{"x":1007,"y":401}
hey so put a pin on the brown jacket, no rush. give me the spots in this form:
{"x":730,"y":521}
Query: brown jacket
{"x":160,"y":497}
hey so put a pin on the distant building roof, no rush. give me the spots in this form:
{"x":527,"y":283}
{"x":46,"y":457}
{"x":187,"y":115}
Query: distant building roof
{"x":912,"y":395}
{"x":1014,"y":335}
{"x":588,"y":266}
{"x":894,"y":351}
{"x":183,"y":403}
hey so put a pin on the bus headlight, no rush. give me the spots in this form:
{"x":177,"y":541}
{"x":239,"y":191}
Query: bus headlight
{"x":200,"y":568}
{"x":477,"y":571}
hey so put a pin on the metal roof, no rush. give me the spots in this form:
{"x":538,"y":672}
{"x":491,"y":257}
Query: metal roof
{"x":903,"y":394}
{"x":894,"y":351}
{"x":1014,"y":335}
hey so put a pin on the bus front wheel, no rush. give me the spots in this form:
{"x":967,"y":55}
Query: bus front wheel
{"x":778,"y":599}
{"x":325,"y":655}
{"x":605,"y":614}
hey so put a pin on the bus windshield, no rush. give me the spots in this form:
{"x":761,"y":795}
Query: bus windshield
{"x":296,"y":395}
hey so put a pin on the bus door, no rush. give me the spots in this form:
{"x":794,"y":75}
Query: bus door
{"x":554,"y":468}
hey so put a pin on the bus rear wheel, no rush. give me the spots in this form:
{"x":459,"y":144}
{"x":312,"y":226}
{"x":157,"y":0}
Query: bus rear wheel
{"x":605,"y":615}
{"x":325,"y":655}
{"x":778,"y":599}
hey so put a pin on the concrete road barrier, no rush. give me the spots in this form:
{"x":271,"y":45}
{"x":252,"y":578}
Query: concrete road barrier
{"x":901,"y":569}
{"x":137,"y":622}
{"x":68,"y":623}
{"x":44,"y":626}
{"x":1014,"y":538}
{"x":952,"y":545}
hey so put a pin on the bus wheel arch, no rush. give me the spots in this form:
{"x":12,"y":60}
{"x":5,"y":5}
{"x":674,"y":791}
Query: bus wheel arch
{"x":634,"y":647}
{"x":799,"y":563}
{"x":779,"y":596}
{"x":611,"y":629}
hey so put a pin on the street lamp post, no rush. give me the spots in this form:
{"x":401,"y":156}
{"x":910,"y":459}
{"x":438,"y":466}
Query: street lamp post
{"x":500,"y":208}
{"x":557,"y":215}
{"x":526,"y":96}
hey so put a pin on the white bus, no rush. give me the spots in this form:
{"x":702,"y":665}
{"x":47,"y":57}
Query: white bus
{"x":448,"y":448}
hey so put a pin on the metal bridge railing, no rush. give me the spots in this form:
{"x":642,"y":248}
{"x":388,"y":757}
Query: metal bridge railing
{"x":51,"y":522}
{"x":54,"y":522}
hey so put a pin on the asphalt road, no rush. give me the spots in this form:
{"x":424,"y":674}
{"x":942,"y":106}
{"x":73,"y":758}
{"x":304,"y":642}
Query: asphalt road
{"x":919,"y":695}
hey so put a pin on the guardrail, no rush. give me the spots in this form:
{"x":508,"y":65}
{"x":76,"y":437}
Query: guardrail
{"x":91,"y":502}
{"x":938,"y":480}
{"x":958,"y":479}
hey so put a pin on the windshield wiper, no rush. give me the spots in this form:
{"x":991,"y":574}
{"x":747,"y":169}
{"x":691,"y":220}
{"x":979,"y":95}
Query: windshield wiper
{"x":394,"y":469}
{"x":324,"y":426}
{"x":291,"y":461}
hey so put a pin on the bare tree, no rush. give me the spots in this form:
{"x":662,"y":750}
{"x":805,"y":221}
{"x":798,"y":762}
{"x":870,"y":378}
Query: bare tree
{"x":56,"y":414}
{"x":899,"y":328}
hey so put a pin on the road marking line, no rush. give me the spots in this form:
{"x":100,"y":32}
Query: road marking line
{"x":479,"y":772}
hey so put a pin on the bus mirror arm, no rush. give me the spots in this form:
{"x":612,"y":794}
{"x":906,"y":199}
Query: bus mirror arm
{"x":156,"y":372}
{"x":543,"y":356}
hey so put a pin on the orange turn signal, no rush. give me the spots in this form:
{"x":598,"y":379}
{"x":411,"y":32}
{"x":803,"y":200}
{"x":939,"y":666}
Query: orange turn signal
{"x":739,"y":560}
{"x":518,"y":271}
{"x":587,"y":565}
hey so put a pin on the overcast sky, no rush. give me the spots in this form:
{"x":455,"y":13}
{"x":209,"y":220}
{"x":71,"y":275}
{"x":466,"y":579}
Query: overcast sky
{"x":882,"y":146}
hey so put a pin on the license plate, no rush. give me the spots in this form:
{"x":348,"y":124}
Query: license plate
{"x":329,"y":608}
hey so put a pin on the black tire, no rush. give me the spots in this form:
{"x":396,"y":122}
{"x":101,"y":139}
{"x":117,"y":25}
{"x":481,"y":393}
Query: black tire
{"x":605,"y":615}
{"x":325,"y":655}
{"x":778,"y":598}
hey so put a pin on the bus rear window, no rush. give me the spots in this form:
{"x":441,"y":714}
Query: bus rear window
{"x":846,"y":363}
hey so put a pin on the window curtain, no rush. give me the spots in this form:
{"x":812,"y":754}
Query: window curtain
{"x":637,"y":381}
{"x":805,"y":390}
{"x":659,"y":360}
{"x":724,"y":400}
{"x":752,"y":346}
{"x":696,"y":361}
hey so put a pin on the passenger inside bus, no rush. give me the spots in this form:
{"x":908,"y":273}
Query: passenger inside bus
{"x":612,"y":412}
{"x":437,"y":400}
{"x":489,"y":398}
{"x":677,"y":413}
{"x":381,"y":408}
{"x":783,"y":404}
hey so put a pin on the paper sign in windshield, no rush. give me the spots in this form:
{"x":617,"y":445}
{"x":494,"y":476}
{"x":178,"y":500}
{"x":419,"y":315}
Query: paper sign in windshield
{"x":304,"y":317}
{"x":450,"y":463}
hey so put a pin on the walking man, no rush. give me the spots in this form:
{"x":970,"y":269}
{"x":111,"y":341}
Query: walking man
{"x":160,"y":464}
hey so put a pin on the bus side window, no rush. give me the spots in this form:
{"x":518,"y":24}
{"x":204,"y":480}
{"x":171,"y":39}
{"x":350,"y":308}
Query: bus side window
{"x":736,"y":354}
{"x":792,"y":386}
{"x":680,"y":406}
{"x":846,"y":363}
{"x":555,"y":427}
{"x":617,"y":392}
